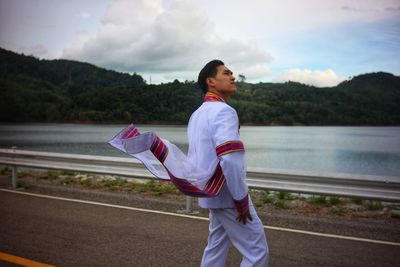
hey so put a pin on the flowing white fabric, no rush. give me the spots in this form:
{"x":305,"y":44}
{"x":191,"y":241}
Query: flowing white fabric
{"x":176,"y":161}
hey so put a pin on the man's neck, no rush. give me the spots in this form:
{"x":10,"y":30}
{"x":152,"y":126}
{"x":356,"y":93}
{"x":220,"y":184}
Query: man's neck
{"x":224,"y":97}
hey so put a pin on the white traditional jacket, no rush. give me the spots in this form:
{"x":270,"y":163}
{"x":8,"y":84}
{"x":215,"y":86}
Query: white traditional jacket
{"x":213,"y":133}
{"x":214,"y":169}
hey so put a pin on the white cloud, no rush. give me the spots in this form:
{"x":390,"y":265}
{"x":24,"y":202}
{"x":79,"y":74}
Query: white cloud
{"x":146,"y":37}
{"x":278,"y":19}
{"x":84,"y":15}
{"x":317,"y":78}
{"x":254,"y":73}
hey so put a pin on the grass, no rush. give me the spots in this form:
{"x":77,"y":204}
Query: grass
{"x":154,"y":187}
{"x":373,"y":205}
{"x":280,"y":205}
{"x":86,"y":182}
{"x":113,"y":184}
{"x":338,"y":211}
{"x":317,"y":199}
{"x":157,"y":187}
{"x":151,"y":184}
{"x":22,"y":174}
{"x":5,"y":171}
{"x":285,"y":195}
{"x":394,"y":215}
{"x":333,"y":204}
{"x":357,"y":200}
{"x":68,"y":181}
{"x":334,"y":200}
{"x":53,"y":175}
{"x":267,"y":197}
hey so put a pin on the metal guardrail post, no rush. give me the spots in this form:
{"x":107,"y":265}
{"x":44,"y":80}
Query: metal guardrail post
{"x":189,"y":207}
{"x":189,"y":204}
{"x":14,"y":177}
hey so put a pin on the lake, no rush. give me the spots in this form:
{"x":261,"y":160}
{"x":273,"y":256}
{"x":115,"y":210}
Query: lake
{"x":357,"y":150}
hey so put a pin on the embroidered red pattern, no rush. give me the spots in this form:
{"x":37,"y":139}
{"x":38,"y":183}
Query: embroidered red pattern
{"x":229,"y":147}
{"x":211,"y":97}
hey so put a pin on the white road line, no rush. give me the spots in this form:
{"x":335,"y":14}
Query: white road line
{"x":202,"y":218}
{"x":333,"y":236}
{"x":104,"y":204}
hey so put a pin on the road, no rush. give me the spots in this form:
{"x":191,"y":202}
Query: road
{"x":67,"y":233}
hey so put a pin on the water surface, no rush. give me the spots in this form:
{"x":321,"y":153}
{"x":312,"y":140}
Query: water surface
{"x":358,"y":150}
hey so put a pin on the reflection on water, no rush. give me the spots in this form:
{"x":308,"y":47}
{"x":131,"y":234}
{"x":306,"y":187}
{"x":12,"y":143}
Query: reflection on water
{"x":362,"y":150}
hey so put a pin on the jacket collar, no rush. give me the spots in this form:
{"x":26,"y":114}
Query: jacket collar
{"x":211,"y":97}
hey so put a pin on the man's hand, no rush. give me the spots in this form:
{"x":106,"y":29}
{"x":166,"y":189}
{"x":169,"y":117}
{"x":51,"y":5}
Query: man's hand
{"x":244,"y":217}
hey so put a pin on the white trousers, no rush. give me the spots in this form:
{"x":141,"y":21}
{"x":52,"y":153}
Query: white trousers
{"x":249,"y":239}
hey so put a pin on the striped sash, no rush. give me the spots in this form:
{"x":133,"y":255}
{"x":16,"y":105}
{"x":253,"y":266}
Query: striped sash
{"x":229,"y":147}
{"x":160,"y":151}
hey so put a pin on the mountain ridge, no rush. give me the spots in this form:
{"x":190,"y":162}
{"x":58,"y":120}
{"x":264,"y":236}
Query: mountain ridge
{"x":34,"y":90}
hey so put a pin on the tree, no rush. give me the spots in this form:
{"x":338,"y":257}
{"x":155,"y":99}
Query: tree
{"x":242,"y":78}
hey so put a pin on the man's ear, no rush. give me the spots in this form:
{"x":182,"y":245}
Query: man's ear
{"x":210,"y":81}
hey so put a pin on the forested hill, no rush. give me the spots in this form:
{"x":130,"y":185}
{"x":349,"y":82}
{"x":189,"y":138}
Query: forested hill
{"x":64,"y":72}
{"x":33,"y":90}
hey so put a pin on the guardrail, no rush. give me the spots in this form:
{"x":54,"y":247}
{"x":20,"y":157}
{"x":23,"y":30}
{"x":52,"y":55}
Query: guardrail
{"x":362,"y":186}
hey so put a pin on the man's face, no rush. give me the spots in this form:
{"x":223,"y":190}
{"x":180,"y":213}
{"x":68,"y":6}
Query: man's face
{"x":223,"y":82}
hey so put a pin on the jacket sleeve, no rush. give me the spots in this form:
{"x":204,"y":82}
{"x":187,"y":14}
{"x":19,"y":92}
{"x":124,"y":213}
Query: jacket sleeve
{"x":230,"y":151}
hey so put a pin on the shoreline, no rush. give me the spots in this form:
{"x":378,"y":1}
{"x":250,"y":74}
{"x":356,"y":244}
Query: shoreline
{"x":163,"y":123}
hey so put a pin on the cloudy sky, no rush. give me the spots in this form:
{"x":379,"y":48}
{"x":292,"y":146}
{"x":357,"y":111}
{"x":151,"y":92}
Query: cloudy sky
{"x":310,"y":41}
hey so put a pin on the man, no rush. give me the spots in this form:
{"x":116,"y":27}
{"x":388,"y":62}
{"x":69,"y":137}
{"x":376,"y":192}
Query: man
{"x":213,"y":133}
{"x":214,"y":169}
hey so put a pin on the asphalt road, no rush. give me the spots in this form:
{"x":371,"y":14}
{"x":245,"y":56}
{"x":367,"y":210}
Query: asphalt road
{"x":65,"y":233}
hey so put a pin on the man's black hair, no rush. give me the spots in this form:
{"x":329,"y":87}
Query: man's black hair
{"x":209,"y":70}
